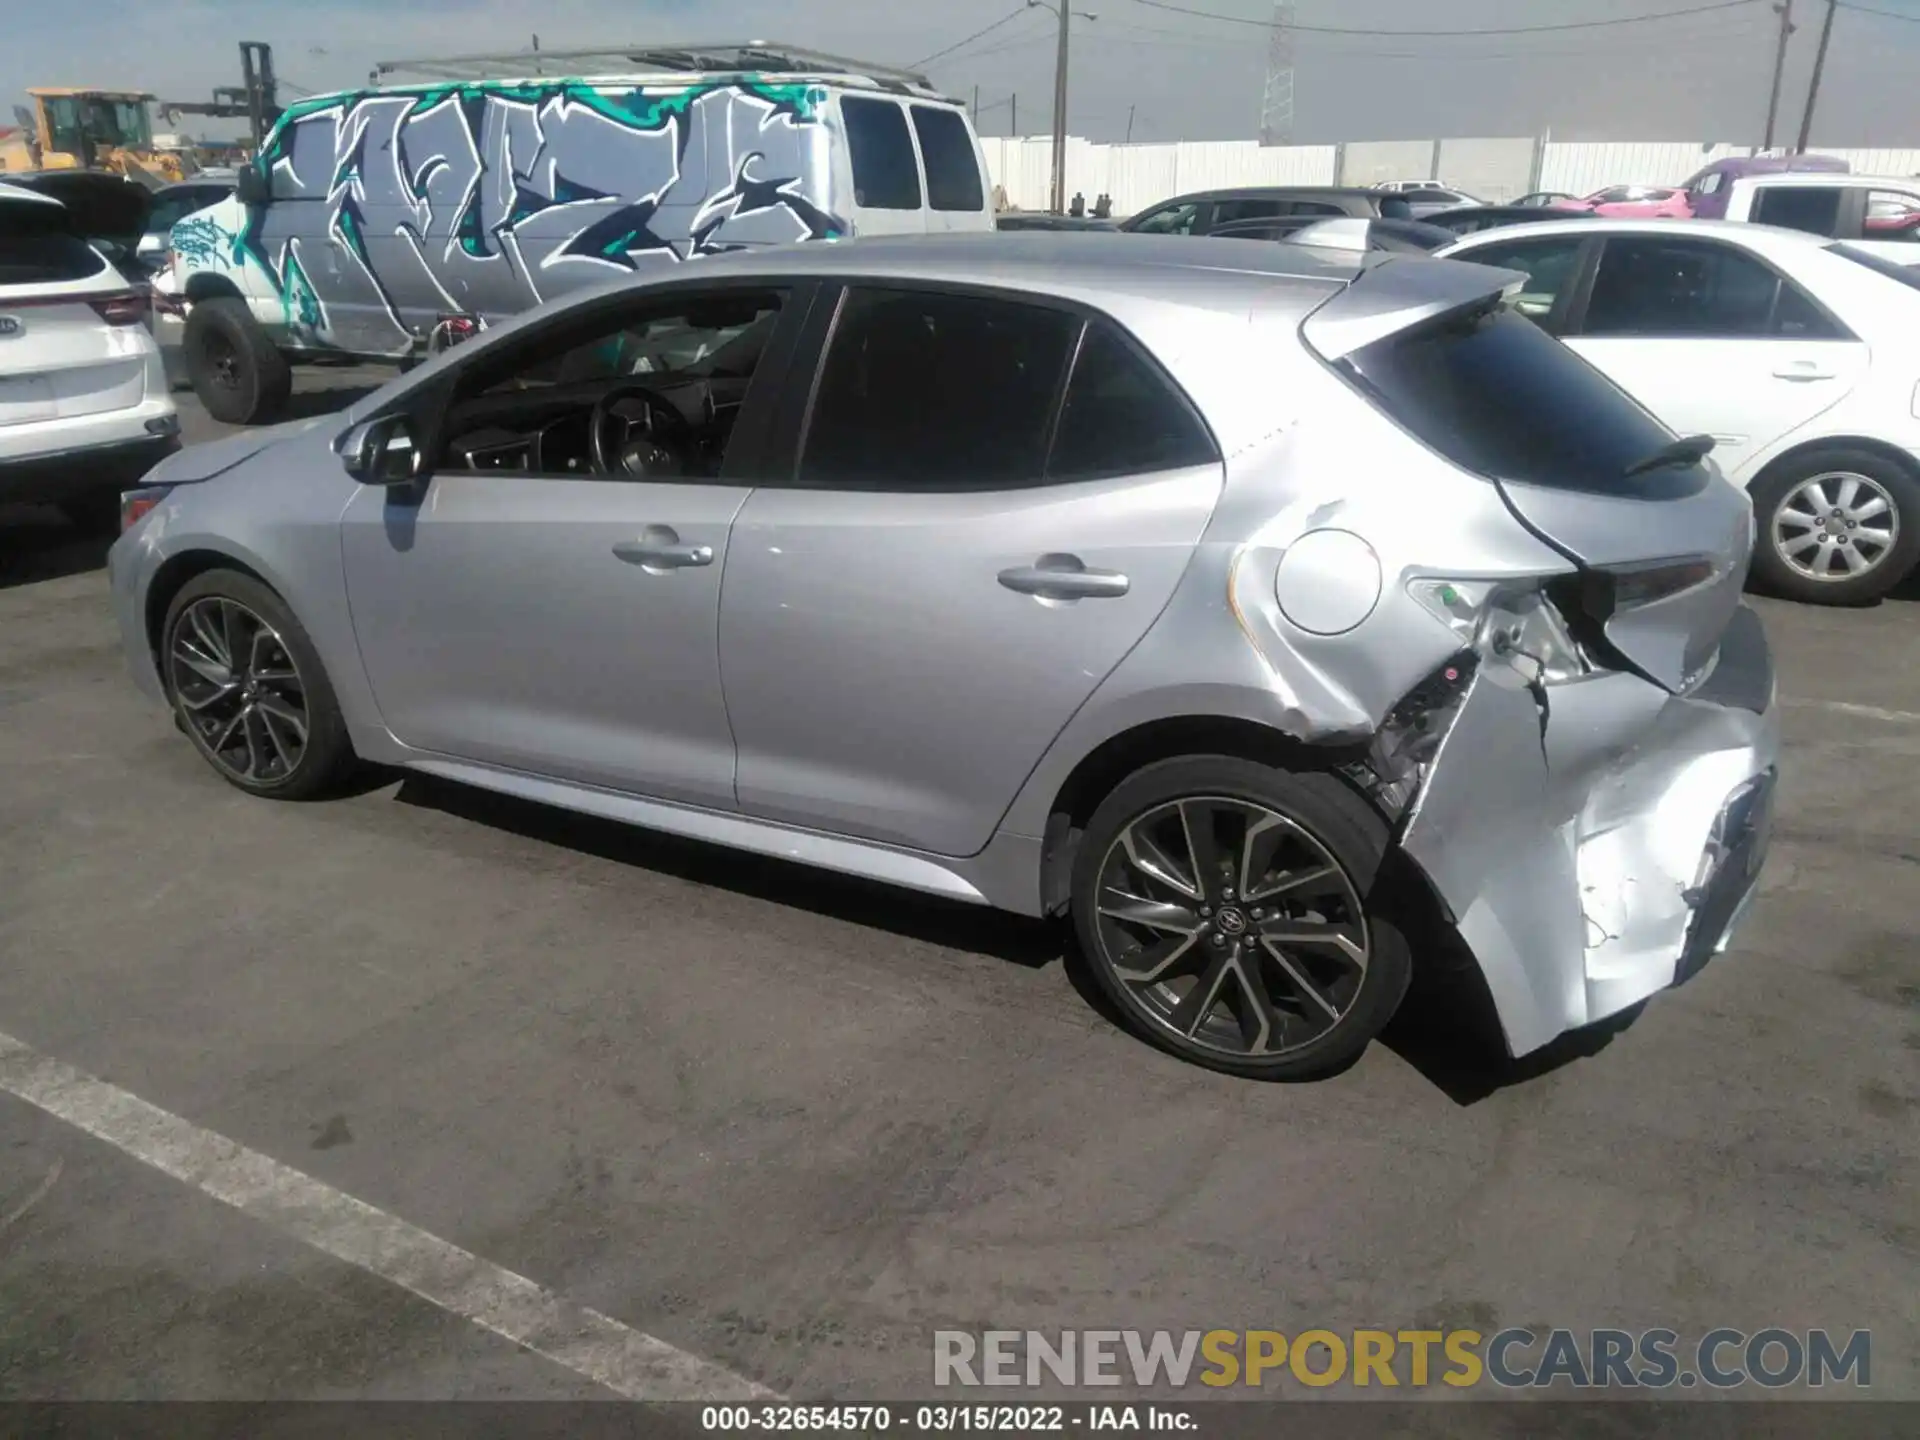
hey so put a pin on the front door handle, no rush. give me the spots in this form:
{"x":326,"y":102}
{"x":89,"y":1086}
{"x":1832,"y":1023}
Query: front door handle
{"x":1064,"y":577}
{"x":659,"y":548}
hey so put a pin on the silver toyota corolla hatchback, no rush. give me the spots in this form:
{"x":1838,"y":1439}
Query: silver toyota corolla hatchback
{"x":1276,"y":615}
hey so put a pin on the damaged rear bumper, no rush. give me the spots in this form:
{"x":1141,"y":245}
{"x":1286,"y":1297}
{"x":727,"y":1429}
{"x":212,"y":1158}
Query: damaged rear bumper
{"x":1596,"y":842}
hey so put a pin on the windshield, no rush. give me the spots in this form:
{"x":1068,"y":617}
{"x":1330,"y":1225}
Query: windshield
{"x":1892,"y":269}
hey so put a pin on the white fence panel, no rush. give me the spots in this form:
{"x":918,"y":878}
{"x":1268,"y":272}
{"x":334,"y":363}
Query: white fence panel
{"x":1583,"y":167}
{"x":1880,"y":162}
{"x":1137,"y":176}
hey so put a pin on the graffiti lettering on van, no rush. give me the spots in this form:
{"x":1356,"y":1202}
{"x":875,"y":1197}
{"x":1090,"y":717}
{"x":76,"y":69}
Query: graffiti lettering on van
{"x":391,"y":208}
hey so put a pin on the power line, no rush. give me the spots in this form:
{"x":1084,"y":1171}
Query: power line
{"x":1018,"y":42}
{"x":960,"y":44}
{"x":1490,"y":30}
{"x":1883,"y":14}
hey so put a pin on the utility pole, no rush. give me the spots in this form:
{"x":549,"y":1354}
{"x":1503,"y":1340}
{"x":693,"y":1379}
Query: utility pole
{"x":1063,"y":10}
{"x":974,"y":113}
{"x":1013,"y":116}
{"x":1130,"y":110}
{"x":1813,"y":85}
{"x":1785,"y":11}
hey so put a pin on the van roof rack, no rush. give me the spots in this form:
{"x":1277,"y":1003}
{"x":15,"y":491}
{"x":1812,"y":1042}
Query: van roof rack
{"x":730,"y":57}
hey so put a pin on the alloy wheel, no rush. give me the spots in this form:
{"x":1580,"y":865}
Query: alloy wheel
{"x":1835,"y":526}
{"x":1231,"y":926}
{"x":239,"y":690}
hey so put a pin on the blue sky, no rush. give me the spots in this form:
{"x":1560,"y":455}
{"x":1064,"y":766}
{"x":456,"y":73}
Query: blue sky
{"x":1177,"y":76}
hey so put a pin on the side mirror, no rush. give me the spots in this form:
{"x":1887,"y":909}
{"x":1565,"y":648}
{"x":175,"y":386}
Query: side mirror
{"x":251,"y":186}
{"x":381,"y":452}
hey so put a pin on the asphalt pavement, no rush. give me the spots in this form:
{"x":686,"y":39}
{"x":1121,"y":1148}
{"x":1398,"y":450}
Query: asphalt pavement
{"x":788,"y":1124}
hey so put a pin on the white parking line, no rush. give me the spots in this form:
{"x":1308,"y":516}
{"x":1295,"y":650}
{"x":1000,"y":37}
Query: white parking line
{"x":1847,"y":707}
{"x":586,"y":1342}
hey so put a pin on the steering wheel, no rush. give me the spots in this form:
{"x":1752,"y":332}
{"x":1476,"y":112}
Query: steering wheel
{"x":635,"y":431}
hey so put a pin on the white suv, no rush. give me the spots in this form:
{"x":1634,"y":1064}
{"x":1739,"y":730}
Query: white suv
{"x":84,"y":408}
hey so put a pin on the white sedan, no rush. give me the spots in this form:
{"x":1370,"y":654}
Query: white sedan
{"x":1800,"y":356}
{"x":84,"y":405}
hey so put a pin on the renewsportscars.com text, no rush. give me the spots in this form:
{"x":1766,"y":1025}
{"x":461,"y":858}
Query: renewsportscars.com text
{"x":1510,"y":1359}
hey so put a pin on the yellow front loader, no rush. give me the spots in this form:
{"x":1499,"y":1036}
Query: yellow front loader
{"x":66,"y":129}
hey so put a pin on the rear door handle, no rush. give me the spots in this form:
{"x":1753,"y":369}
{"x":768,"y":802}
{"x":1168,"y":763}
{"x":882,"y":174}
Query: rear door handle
{"x":1802,"y":370}
{"x":1064,"y":577}
{"x":663,"y":554}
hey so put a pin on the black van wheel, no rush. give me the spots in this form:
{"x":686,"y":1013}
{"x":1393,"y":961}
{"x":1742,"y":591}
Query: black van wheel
{"x":237,"y":371}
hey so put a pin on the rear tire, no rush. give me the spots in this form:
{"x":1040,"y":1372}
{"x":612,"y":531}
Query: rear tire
{"x":1816,"y":512}
{"x":1227,"y":909}
{"x":248,"y":688}
{"x":237,"y":371}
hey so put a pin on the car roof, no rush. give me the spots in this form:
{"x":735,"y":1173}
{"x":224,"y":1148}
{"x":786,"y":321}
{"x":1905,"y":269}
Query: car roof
{"x":1267,"y":192}
{"x":1825,"y":177}
{"x":1762,"y":238}
{"x":1055,"y":262}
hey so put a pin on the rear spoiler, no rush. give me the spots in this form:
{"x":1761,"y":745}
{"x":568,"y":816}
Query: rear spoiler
{"x":1399,"y":294}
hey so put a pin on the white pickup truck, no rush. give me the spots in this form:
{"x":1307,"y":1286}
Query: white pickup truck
{"x":1879,"y":213}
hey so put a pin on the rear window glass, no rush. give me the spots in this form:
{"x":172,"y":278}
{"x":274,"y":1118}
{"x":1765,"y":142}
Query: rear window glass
{"x":885,"y":175}
{"x":1497,"y":395}
{"x":1908,"y":275}
{"x":953,"y":173}
{"x":40,"y":255}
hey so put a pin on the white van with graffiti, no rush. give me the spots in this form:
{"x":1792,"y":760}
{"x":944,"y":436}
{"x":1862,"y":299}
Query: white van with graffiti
{"x":383,"y":223}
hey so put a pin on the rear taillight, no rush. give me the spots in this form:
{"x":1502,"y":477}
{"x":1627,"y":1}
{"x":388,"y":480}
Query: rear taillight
{"x":124,"y":307}
{"x":1516,"y":622}
{"x":135,"y":504}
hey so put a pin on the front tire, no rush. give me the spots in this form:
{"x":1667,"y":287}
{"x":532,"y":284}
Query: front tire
{"x":1227,"y":909}
{"x":248,"y":689}
{"x":1839,"y":526}
{"x":237,"y":371}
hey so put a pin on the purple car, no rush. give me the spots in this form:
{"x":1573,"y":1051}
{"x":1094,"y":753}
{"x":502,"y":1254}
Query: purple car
{"x":1707,"y":188}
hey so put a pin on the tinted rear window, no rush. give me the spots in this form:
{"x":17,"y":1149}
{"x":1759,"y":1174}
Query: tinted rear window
{"x":953,"y":174}
{"x":1497,"y":395}
{"x":1908,"y":275}
{"x":885,"y":176}
{"x":36,"y":254}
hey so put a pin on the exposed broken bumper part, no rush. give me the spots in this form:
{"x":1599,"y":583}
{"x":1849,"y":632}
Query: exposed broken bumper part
{"x":1598,"y":843}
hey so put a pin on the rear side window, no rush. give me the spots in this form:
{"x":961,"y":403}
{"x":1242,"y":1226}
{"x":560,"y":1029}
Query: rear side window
{"x":1693,"y":289}
{"x":885,"y":176}
{"x":1811,"y":208}
{"x":1908,"y":275}
{"x":925,"y":391}
{"x":1122,"y":417}
{"x":36,"y":253}
{"x":1395,"y":207}
{"x":1226,"y":212}
{"x":1892,"y":215}
{"x":953,"y":172}
{"x":1497,"y":395}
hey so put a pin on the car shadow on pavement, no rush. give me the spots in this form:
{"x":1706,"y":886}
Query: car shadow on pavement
{"x":1447,"y":1029}
{"x":37,"y":543}
{"x":305,"y":404}
{"x":1020,"y":941}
